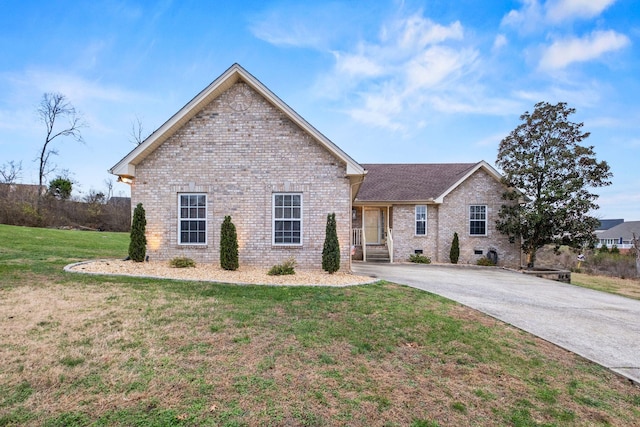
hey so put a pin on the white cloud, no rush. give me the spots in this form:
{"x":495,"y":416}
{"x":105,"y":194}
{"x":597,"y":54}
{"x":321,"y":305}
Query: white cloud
{"x":76,"y":88}
{"x":292,"y":33}
{"x":565,"y":10}
{"x":395,"y":76}
{"x":580,"y":95}
{"x":534,"y":16}
{"x":565,"y":52}
{"x":304,"y":24}
{"x":500,"y":41}
{"x":357,"y":64}
{"x":416,"y":32}
{"x":435,"y":65}
{"x":527,"y":18}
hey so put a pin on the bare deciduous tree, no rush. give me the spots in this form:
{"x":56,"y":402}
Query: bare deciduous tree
{"x":10,"y":172}
{"x":109,"y":184}
{"x":53,"y":109}
{"x":136,"y":132}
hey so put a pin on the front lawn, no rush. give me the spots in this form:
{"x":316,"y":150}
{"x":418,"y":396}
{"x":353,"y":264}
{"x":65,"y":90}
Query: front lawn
{"x":91,"y":350}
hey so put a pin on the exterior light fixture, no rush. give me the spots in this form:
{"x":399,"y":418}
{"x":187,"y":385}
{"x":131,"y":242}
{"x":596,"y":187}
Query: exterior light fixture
{"x":125,"y":179}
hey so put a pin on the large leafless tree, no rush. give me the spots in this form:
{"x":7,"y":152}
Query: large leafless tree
{"x":61,"y":120}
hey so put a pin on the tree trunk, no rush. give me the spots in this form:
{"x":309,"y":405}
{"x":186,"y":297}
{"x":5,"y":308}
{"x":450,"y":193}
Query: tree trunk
{"x":531,"y":259}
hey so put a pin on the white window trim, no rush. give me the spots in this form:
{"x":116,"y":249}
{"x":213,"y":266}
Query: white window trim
{"x":206,"y":222}
{"x":273,"y":218}
{"x":486,"y":221}
{"x":415,"y":218}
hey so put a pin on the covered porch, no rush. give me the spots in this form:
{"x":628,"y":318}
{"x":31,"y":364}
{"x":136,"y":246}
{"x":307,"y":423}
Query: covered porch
{"x":372,"y":233}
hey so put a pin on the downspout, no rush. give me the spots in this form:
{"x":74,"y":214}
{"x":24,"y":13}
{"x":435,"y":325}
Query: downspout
{"x":352,"y":198}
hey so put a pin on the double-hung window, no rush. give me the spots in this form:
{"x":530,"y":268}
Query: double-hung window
{"x":421,"y":220}
{"x":478,"y":220}
{"x":192,"y":211}
{"x":287,"y":219}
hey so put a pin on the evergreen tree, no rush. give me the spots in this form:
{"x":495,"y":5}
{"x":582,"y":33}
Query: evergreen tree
{"x":454,"y":253}
{"x":138,"y":243}
{"x":550,"y":177}
{"x":331,"y":250}
{"x":228,"y":245}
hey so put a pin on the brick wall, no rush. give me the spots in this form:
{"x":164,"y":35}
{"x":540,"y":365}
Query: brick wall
{"x":239,"y":159}
{"x":453,"y":216}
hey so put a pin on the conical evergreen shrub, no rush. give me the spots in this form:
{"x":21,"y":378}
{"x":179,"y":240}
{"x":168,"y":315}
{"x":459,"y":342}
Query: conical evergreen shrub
{"x":228,"y":245}
{"x":138,"y":240}
{"x":331,"y":250}
{"x":454,"y":253}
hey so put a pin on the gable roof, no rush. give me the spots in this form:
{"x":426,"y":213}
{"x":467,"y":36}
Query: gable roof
{"x":417,"y":182}
{"x":235,"y":73}
{"x":624,"y":230}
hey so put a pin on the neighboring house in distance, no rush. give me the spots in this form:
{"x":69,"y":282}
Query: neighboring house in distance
{"x":417,"y":208}
{"x":606,"y":224}
{"x":22,"y":192}
{"x":237,"y":149}
{"x":620,"y":236}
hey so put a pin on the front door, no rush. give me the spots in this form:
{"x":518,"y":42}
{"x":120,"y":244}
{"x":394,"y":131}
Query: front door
{"x":372,"y":226}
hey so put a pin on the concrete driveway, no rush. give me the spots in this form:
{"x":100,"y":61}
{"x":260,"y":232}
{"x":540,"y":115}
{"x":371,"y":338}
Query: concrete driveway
{"x":601,"y":327}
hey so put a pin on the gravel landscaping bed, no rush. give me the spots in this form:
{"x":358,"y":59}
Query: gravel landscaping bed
{"x":213,"y":273}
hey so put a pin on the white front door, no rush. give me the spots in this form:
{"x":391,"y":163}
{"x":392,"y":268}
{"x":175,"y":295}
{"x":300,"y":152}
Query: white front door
{"x":372,"y":226}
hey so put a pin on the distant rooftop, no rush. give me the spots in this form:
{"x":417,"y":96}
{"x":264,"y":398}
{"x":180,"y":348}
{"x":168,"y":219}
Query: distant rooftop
{"x":606,"y":224}
{"x":623,"y":230}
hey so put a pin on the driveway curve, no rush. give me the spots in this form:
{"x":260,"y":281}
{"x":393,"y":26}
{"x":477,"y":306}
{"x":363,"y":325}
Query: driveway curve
{"x":601,"y":327}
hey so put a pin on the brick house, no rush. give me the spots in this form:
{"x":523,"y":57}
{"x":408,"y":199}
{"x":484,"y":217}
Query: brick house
{"x":237,"y":149}
{"x":417,"y":208}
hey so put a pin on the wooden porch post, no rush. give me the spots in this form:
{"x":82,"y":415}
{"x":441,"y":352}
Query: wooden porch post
{"x":364,"y":238}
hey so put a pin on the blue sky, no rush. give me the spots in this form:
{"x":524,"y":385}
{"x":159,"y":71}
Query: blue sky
{"x":388,"y":81}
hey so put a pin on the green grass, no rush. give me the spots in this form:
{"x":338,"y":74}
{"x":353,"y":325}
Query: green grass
{"x":108,"y":351}
{"x":25,"y":251}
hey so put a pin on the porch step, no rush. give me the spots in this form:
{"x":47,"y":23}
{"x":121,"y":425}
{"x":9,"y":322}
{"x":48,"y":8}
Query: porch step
{"x":378,"y":254}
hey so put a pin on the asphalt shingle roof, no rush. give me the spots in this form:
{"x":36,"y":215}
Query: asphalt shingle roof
{"x":624,"y":230}
{"x":409,"y":182}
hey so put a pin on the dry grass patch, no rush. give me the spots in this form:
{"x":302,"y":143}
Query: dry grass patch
{"x":81,"y":350}
{"x":625,"y":287}
{"x":176,"y":353}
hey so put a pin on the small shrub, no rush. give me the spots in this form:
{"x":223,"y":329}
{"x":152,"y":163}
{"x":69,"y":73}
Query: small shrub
{"x":615,"y":250}
{"x":486,"y":262}
{"x":228,"y":245}
{"x":331,"y":248}
{"x":287,"y":267}
{"x":419,"y":259}
{"x":138,"y":243}
{"x":454,"y":252}
{"x":182,"y":262}
{"x":603,"y":249}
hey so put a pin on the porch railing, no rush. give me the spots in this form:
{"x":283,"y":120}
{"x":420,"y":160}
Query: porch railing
{"x":356,"y":239}
{"x":390,"y":244}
